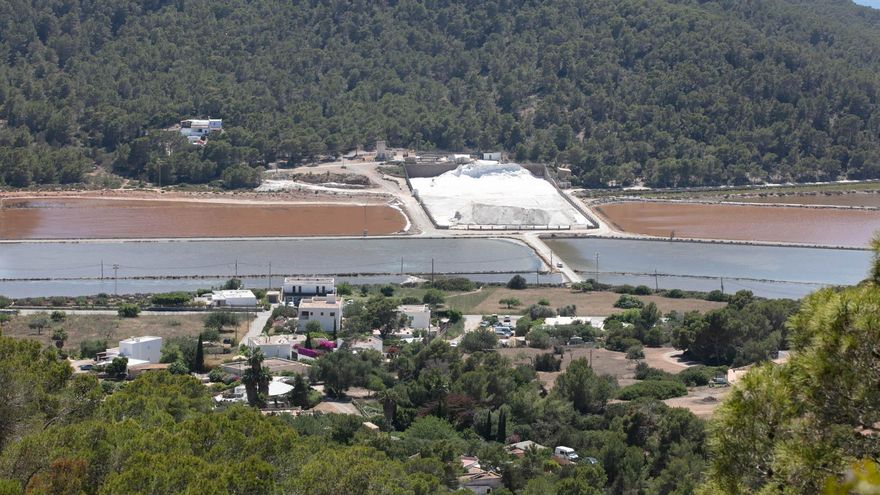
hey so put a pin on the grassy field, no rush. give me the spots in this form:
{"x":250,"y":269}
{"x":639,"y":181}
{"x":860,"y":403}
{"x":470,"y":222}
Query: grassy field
{"x":110,"y":327}
{"x":587,"y":303}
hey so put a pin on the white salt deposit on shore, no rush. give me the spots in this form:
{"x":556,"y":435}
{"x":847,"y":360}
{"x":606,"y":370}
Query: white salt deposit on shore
{"x":492,"y":193}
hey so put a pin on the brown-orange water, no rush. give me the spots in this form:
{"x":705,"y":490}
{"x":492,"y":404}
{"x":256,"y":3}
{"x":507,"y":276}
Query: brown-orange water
{"x":84,"y":218}
{"x":819,"y":226}
{"x":850,"y":199}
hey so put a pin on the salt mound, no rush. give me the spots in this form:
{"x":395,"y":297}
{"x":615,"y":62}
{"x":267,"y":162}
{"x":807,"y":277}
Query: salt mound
{"x":493,"y":193}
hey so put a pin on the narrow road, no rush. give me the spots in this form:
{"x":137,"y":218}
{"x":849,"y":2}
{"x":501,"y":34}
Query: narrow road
{"x":257,"y":324}
{"x":534,"y":241}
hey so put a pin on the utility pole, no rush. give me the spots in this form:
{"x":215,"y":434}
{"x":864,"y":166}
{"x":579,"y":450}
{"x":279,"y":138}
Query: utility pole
{"x":401,"y":265}
{"x":656,"y":283}
{"x":236,"y":267}
{"x":597,"y":268}
{"x":365,"y":220}
{"x":102,"y":269}
{"x":270,"y":276}
{"x":537,"y":275}
{"x":115,"y":278}
{"x":432,"y":271}
{"x":722,"y":285}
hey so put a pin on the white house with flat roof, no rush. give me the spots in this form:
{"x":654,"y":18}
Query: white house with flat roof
{"x":275,"y":346}
{"x":146,"y":348}
{"x":419,"y":315}
{"x":195,"y":130}
{"x":325,"y":310}
{"x":295,"y":289}
{"x":239,"y":298}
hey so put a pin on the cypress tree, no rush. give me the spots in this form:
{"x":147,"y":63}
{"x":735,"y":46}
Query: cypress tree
{"x":502,"y":426}
{"x":199,"y":360}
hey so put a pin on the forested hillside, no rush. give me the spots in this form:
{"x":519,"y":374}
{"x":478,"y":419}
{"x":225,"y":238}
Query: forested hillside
{"x":677,"y":92}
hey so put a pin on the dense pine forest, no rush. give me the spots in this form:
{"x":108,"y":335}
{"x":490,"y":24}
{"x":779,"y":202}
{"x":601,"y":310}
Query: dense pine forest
{"x":674,"y":92}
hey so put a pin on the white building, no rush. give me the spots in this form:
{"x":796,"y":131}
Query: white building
{"x":195,"y":130}
{"x":494,"y":156}
{"x":141,"y":348}
{"x":325,"y":310}
{"x":419,"y":315}
{"x":373,"y":342}
{"x":275,"y":346}
{"x":295,"y":289}
{"x":239,"y":298}
{"x":595,"y":321}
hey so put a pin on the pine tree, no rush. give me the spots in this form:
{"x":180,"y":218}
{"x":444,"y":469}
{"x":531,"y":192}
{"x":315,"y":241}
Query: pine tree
{"x":299,"y":396}
{"x":308,"y":341}
{"x":199,"y":360}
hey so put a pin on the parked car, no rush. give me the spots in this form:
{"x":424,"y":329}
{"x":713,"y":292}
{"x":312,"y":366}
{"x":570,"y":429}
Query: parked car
{"x":566,"y":453}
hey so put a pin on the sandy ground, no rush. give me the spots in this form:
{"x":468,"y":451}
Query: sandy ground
{"x":587,"y":303}
{"x":702,"y":401}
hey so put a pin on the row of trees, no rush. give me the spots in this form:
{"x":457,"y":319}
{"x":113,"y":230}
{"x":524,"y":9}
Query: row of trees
{"x":677,"y":93}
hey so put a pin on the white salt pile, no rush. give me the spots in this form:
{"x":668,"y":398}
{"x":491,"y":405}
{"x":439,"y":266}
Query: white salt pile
{"x":492,"y":193}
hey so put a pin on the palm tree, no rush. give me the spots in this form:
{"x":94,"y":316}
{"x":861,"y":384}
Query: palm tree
{"x":389,"y":399}
{"x":256,"y":378}
{"x":59,"y":335}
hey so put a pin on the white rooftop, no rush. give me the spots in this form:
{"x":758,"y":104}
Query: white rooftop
{"x":233,"y":294}
{"x":135,"y":340}
{"x":412,"y":308}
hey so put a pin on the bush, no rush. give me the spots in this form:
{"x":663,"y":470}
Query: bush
{"x":58,"y":316}
{"x":211,"y":334}
{"x":517,"y":282}
{"x":232,"y":284}
{"x":5,"y":302}
{"x":410,"y":300}
{"x":171,"y":299}
{"x":344,"y":289}
{"x":655,"y":389}
{"x":645,"y":372}
{"x":453,"y":284}
{"x":642,"y":290}
{"x":547,"y":362}
{"x":543,"y":302}
{"x":568,"y":310}
{"x":625,"y":289}
{"x":538,"y":338}
{"x":127,"y":310}
{"x":635,"y":352}
{"x":536,"y":312}
{"x":91,"y":348}
{"x":387,"y":290}
{"x":717,"y":296}
{"x":478,"y":340}
{"x":697,"y":376}
{"x":627,"y":301}
{"x":674,"y":294}
{"x":433,"y":297}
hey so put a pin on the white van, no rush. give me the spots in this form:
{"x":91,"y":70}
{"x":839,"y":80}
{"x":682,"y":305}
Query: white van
{"x":567,"y":453}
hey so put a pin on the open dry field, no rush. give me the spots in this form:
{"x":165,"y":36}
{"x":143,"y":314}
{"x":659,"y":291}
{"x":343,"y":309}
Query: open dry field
{"x":87,"y":218}
{"x":701,"y":401}
{"x":587,"y":303}
{"x":110,"y":327}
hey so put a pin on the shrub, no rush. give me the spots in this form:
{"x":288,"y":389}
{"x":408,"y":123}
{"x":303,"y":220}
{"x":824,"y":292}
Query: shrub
{"x":171,"y":299}
{"x":478,"y":340}
{"x":627,"y":301}
{"x":716,"y":295}
{"x":91,"y":348}
{"x":517,"y":282}
{"x":625,"y":289}
{"x":387,"y":290}
{"x":127,"y":310}
{"x":410,"y":300}
{"x":656,"y":389}
{"x":645,"y":372}
{"x":433,"y":297}
{"x":538,"y":338}
{"x":454,"y":284}
{"x":536,"y":312}
{"x":5,"y":302}
{"x":635,"y":352}
{"x":232,"y":284}
{"x":543,"y":302}
{"x":210,"y":335}
{"x":547,"y":362}
{"x":674,"y":294}
{"x":568,"y":310}
{"x":697,"y":376}
{"x":344,"y":289}
{"x":58,"y":316}
{"x":642,"y":290}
